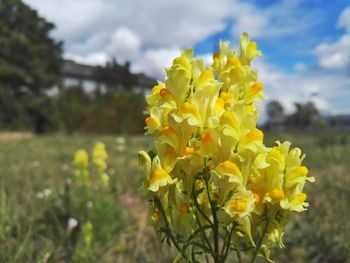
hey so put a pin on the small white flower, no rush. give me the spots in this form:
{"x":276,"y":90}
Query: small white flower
{"x":89,"y":204}
{"x":64,"y":167}
{"x":40,"y":195}
{"x":47,"y":192}
{"x":68,"y":181}
{"x":120,"y":140}
{"x":72,"y":223}
{"x":35,"y":164}
{"x":121,"y":148}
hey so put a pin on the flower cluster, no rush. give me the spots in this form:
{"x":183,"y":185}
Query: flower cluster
{"x":209,"y":171}
{"x":99,"y":159}
{"x":81,"y":161}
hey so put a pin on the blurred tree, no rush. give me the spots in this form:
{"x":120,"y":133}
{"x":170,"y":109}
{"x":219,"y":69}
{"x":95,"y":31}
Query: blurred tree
{"x":41,"y":113}
{"x":12,"y":113}
{"x":73,"y":104}
{"x":275,"y":112}
{"x":116,"y":76}
{"x":30,"y":60}
{"x":305,"y":116}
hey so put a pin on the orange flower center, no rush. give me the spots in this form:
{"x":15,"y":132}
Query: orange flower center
{"x":277,"y":194}
{"x":168,"y":131}
{"x":150,"y":121}
{"x":238,"y":205}
{"x":206,"y":137}
{"x":164,"y":92}
{"x":183,"y":207}
{"x":257,"y":196}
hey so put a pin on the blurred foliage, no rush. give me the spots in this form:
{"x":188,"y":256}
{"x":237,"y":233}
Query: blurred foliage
{"x":33,"y":226}
{"x":13,"y":114}
{"x":306,"y":117}
{"x":118,"y":112}
{"x":30,"y":60}
{"x":107,"y":75}
{"x":73,"y":110}
{"x":321,"y":234}
{"x":72,"y":106}
{"x":38,"y":197}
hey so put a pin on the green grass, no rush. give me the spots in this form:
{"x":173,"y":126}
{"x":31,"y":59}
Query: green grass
{"x":34,"y":229}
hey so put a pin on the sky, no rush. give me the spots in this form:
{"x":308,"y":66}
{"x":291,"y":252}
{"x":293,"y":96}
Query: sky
{"x":305,"y":43}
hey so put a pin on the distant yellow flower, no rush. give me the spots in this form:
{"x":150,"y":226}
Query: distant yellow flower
{"x":99,"y":158}
{"x":81,"y":158}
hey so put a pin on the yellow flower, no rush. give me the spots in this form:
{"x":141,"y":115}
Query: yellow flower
{"x":145,"y":164}
{"x":229,"y":169}
{"x":159,"y":178}
{"x":241,"y":204}
{"x":99,"y":158}
{"x":228,"y":176}
{"x":248,"y":50}
{"x":153,"y":121}
{"x":296,"y":202}
{"x":179,"y":76}
{"x":255,"y":92}
{"x":275,"y":235}
{"x":208,"y":152}
{"x":81,"y":158}
{"x":209,"y":143}
{"x":276,"y":194}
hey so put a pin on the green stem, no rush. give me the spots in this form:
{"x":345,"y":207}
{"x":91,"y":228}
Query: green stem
{"x":215,"y":225}
{"x":239,"y":256}
{"x":159,"y":205}
{"x":225,"y":238}
{"x":260,"y":241}
{"x":203,"y":233}
{"x":199,"y":208}
{"x":228,"y":243}
{"x":193,"y":235}
{"x":196,"y":204}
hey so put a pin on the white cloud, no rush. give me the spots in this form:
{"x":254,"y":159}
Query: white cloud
{"x":158,"y":23}
{"x":300,"y":67}
{"x":137,"y":31}
{"x":278,"y":20}
{"x":153,"y":61}
{"x":97,"y":58}
{"x":74,"y":19}
{"x":124,"y":44}
{"x":336,"y":56}
{"x":92,"y":43}
{"x":325,"y":90}
{"x":248,"y":19}
{"x":132,"y":30}
{"x":344,"y":19}
{"x":336,"y":60}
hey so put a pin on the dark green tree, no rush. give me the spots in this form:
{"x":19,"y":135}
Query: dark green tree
{"x":116,"y":76}
{"x":30,"y":60}
{"x":275,"y":112}
{"x":306,"y":115}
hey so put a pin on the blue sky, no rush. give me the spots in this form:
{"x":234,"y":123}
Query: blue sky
{"x":305,"y":43}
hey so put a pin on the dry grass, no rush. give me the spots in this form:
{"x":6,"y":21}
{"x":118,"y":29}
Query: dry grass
{"x":15,"y":136}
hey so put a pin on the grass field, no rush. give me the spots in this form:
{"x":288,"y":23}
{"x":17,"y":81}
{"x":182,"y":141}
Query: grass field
{"x":38,"y":199}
